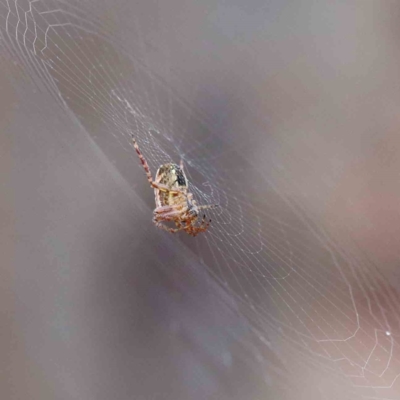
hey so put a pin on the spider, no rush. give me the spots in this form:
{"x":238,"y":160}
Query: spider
{"x":174,"y":203}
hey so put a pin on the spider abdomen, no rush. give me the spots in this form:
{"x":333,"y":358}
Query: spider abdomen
{"x":170,"y":175}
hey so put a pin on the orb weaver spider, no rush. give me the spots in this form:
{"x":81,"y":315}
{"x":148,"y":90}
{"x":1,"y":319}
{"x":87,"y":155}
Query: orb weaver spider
{"x":174,"y":203}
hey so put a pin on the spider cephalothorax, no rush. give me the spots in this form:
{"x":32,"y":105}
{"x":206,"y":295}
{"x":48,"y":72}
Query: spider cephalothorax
{"x":174,"y":203}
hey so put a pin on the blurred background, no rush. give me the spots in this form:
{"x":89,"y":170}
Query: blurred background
{"x":286,"y":115}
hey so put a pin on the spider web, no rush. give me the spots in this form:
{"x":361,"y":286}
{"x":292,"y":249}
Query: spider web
{"x":304,"y":285}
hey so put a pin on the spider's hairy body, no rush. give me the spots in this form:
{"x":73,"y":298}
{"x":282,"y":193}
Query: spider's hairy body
{"x":174,"y":202}
{"x":170,"y":175}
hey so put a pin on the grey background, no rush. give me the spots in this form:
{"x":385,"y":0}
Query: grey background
{"x":97,"y":304}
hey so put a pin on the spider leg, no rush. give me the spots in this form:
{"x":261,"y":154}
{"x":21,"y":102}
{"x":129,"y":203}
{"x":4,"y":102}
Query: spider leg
{"x":202,"y":220}
{"x":204,"y":224}
{"x":168,"y":216}
{"x":194,"y":230}
{"x":166,"y":228}
{"x":163,"y":209}
{"x":143,"y":161}
{"x":170,"y":212}
{"x":205,"y":207}
{"x":189,"y":196}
